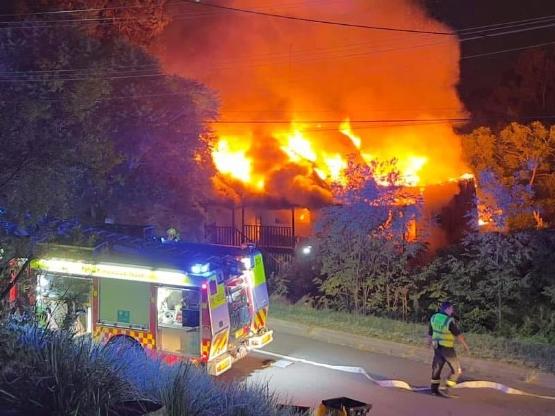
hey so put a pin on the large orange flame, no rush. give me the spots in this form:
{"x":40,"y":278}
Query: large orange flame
{"x":329,"y":85}
{"x":317,"y":156}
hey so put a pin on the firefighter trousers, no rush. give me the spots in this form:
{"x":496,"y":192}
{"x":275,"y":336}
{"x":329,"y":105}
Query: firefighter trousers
{"x":442,"y":356}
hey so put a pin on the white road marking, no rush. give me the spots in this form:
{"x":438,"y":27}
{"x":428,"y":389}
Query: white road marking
{"x":282,"y":363}
{"x":400,"y":384}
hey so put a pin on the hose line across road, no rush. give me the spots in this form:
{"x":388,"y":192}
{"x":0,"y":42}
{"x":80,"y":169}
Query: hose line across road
{"x":400,"y":384}
{"x":306,"y":364}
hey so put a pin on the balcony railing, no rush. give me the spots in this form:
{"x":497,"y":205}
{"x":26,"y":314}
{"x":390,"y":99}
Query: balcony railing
{"x":225,"y":235}
{"x":264,"y":236}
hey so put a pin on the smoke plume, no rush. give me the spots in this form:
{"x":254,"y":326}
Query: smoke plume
{"x":269,"y":69}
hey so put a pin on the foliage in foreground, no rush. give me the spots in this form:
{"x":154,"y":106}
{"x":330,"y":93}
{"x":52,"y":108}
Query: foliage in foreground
{"x":69,"y":375}
{"x":65,"y":375}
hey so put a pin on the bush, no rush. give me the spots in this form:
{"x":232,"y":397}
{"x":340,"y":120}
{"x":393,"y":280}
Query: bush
{"x":45,"y":372}
{"x":53,"y":373}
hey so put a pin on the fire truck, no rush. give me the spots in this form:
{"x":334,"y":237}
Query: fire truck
{"x":201,"y":302}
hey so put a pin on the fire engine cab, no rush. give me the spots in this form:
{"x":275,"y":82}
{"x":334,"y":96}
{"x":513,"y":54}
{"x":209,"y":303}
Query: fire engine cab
{"x":201,"y":302}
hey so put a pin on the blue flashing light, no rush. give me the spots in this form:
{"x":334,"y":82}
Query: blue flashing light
{"x":200,"y":268}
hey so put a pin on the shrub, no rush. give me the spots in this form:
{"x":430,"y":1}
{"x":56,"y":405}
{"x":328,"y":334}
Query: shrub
{"x":46,"y":372}
{"x":54,"y":373}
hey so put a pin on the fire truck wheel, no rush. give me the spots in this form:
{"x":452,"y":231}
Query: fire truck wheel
{"x":124,"y":344}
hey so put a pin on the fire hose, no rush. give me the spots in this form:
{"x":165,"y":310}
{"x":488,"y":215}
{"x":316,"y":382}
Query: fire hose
{"x":400,"y":384}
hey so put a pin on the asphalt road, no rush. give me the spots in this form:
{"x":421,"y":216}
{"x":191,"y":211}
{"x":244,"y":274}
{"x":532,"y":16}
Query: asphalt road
{"x":307,"y":384}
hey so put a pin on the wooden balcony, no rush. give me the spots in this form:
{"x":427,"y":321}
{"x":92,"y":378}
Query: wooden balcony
{"x":263,"y":236}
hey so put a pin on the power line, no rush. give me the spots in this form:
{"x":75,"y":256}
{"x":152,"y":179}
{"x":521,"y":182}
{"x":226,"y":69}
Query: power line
{"x":479,"y":30}
{"x":507,"y":32}
{"x":383,"y":28}
{"x":513,"y":23}
{"x":406,"y":120}
{"x":537,"y":45}
{"x":89,"y":78}
{"x":95,"y":74}
{"x":101,"y":9}
{"x":472,"y":33}
{"x":135,"y":72}
{"x":309,"y":20}
{"x":121,"y":97}
{"x":70,"y":11}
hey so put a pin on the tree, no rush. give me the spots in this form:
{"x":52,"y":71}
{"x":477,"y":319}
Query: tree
{"x":489,"y":276}
{"x":53,"y":142}
{"x":526,"y":89}
{"x":138,"y":21}
{"x":501,"y":282}
{"x":84,"y":137}
{"x":515,"y":168}
{"x":364,"y":253}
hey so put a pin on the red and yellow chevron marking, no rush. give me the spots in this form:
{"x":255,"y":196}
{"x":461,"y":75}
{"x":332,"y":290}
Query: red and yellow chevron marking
{"x":260,"y":319}
{"x":103,"y":333}
{"x":219,"y":343}
{"x":205,"y":348}
{"x":241,"y":332}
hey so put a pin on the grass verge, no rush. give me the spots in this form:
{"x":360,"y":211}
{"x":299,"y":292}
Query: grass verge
{"x":529,"y":353}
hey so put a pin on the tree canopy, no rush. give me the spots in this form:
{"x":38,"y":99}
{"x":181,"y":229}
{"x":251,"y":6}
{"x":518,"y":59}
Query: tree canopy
{"x":515,"y":168}
{"x":92,"y":127}
{"x":137,"y":21}
{"x":362,"y":241}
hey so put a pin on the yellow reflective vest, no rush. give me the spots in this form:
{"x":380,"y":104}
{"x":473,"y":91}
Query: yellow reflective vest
{"x":441,"y":333}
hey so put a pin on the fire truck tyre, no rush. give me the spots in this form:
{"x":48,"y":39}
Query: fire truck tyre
{"x":124,"y":344}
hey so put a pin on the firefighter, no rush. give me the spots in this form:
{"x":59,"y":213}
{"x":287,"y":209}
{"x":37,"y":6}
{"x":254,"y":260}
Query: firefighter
{"x":442,"y":333}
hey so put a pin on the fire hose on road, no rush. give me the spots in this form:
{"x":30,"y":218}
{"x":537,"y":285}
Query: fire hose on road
{"x":400,"y":384}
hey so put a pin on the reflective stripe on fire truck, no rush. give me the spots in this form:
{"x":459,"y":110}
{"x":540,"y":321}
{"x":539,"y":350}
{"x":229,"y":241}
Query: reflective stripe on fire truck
{"x":259,"y":286}
{"x":260,"y":319}
{"x":103,"y":334}
{"x":219,"y":343}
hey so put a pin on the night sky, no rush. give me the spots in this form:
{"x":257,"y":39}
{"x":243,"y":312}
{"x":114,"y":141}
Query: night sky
{"x":477,"y":75}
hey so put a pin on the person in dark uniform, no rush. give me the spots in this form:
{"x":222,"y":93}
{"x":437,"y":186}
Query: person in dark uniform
{"x":442,"y":333}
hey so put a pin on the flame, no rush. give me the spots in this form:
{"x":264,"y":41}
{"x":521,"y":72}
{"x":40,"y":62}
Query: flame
{"x":335,"y":166}
{"x":326,"y":74}
{"x":412,"y":165}
{"x":345,"y":128}
{"x":302,"y":149}
{"x":234,"y":163}
{"x":299,"y":146}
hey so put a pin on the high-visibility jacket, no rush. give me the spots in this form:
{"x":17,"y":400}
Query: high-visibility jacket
{"x":441,"y":333}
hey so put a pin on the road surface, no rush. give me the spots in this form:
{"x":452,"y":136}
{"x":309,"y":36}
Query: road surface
{"x":307,"y":384}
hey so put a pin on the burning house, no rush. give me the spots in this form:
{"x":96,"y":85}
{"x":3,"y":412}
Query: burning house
{"x":299,"y":99}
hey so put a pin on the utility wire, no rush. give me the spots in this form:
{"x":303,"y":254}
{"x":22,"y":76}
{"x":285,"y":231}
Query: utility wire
{"x":70,"y":11}
{"x":305,"y":19}
{"x":537,"y":45}
{"x":478,"y":32}
{"x":100,"y":9}
{"x":511,"y":23}
{"x":93,"y":74}
{"x":134,"y":72}
{"x":411,"y":120}
{"x":372,"y":27}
